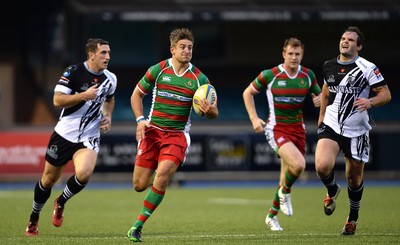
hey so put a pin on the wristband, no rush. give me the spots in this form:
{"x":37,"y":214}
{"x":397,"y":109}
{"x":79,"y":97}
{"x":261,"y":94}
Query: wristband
{"x":139,"y":119}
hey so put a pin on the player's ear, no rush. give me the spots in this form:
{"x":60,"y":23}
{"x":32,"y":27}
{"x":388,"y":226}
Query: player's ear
{"x":91,"y":56}
{"x":359,"y":47}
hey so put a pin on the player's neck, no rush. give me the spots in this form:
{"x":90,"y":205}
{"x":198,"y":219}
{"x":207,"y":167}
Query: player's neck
{"x":291,"y":72}
{"x":347,"y":59}
{"x":92,"y":67}
{"x":179,"y":67}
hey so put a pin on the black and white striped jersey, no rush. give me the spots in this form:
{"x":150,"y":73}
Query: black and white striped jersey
{"x":346,"y":82}
{"x":82,"y":121}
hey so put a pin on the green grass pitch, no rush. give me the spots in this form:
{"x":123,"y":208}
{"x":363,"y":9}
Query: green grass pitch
{"x":202,"y":216}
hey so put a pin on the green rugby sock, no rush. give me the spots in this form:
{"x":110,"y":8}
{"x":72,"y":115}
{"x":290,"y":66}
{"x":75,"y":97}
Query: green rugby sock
{"x":150,"y":203}
{"x":290,"y":178}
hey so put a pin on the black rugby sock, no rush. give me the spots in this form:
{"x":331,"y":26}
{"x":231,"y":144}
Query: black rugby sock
{"x":72,"y":188}
{"x":40,"y":197}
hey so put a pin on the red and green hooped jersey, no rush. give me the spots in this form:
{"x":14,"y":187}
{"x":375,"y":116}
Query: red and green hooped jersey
{"x":286,"y":94}
{"x":172,"y":94}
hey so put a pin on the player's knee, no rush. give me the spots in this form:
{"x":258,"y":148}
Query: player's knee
{"x":140,"y":186}
{"x":354,"y":180}
{"x":322,"y":168}
{"x":84,"y":176}
{"x":48,"y":182}
{"x":300,"y":166}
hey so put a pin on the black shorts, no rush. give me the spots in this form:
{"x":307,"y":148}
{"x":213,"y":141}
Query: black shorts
{"x":60,"y":151}
{"x":356,"y":148}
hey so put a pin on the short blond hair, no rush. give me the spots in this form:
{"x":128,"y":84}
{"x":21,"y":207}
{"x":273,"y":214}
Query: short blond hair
{"x":179,"y":34}
{"x":293,"y":42}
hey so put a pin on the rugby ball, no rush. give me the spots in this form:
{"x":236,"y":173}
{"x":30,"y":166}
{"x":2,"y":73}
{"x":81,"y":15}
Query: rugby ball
{"x":206,"y":91}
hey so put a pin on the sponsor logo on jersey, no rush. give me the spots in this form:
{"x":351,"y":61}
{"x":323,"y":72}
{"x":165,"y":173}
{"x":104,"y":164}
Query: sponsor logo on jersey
{"x":281,"y":139}
{"x":331,"y":79}
{"x":342,"y":71}
{"x":63,"y":80}
{"x":173,"y":96}
{"x":85,"y":86}
{"x":302,"y":83}
{"x":282,"y":83}
{"x":377,"y":72}
{"x":351,"y":80}
{"x":189,"y":84}
{"x":289,"y":99}
{"x":145,"y":82}
{"x":321,"y":129}
{"x":344,"y":89}
{"x":67,"y":72}
{"x":52,"y":151}
{"x":166,"y":79}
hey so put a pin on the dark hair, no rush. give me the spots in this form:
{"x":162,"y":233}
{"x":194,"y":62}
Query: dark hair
{"x":293,"y":42}
{"x":360,"y":34}
{"x":93,"y":43}
{"x":179,"y":34}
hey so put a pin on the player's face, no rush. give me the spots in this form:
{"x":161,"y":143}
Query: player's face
{"x":182,"y":51}
{"x":348,"y":45}
{"x":292,"y":57}
{"x":100,"y":58}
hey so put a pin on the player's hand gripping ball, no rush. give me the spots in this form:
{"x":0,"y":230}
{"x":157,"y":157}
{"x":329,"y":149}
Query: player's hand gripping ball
{"x":207,"y":92}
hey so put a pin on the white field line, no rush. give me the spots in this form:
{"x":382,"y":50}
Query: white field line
{"x":238,"y":201}
{"x":11,"y":194}
{"x":267,"y":234}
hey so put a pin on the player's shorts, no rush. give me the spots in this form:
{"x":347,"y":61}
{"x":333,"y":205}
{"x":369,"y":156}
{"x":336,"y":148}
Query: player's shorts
{"x":356,"y":148}
{"x":60,"y":151}
{"x":278,"y":135}
{"x":158,"y":145}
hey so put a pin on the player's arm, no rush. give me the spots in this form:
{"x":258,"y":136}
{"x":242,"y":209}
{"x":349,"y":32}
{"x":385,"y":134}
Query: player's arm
{"x":324,"y":102}
{"x":248,"y":98}
{"x":316,"y":94}
{"x":211,"y":111}
{"x":62,"y":100}
{"x":137,"y":102}
{"x":137,"y":108}
{"x":315,"y":89}
{"x":382,"y":96}
{"x":316,"y":99}
{"x":108,"y":109}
